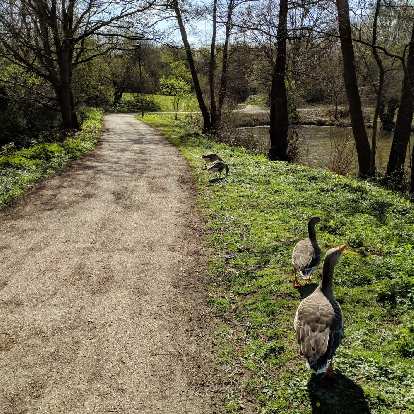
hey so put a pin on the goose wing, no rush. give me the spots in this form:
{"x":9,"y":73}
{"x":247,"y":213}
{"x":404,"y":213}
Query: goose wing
{"x":318,"y":325}
{"x":217,"y":166}
{"x":304,"y":257}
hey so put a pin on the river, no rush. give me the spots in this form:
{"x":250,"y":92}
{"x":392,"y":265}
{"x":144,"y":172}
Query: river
{"x":320,"y":146}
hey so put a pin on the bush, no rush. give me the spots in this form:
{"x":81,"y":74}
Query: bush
{"x":138,"y":103}
{"x":18,"y":162}
{"x":145,"y":103}
{"x":21,"y":168}
{"x":258,"y":100}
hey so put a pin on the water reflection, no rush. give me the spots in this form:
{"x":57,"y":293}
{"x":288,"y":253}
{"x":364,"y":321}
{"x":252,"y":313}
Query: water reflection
{"x":318,"y":145}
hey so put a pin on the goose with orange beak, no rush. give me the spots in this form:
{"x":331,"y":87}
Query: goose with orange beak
{"x":318,"y":321}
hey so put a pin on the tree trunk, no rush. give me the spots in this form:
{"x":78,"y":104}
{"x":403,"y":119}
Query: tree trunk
{"x":212,"y":71}
{"x":412,"y":175}
{"x":402,"y":132}
{"x":279,"y":117}
{"x":224,"y":68}
{"x":351,"y":86}
{"x":197,"y":88}
{"x":64,"y":89}
{"x":118,"y":94}
{"x":67,"y":107}
{"x":375,"y":123}
{"x":140,"y":81}
{"x":380,"y":90}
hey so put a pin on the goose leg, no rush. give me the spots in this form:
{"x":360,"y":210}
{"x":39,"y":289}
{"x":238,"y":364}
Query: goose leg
{"x":296,"y":283}
{"x":329,"y":375}
{"x":329,"y":372}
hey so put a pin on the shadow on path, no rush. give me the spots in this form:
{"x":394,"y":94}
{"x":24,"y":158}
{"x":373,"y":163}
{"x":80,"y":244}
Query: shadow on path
{"x":338,"y":396}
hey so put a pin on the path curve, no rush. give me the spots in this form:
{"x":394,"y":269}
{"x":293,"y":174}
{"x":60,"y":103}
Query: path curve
{"x":103,"y":308}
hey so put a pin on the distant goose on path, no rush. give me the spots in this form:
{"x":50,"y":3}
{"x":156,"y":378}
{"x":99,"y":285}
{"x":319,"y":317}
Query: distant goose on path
{"x":219,"y":167}
{"x":318,"y":321}
{"x":306,"y":254}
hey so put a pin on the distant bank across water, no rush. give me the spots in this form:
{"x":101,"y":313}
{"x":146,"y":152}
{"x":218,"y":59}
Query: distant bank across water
{"x":318,"y":145}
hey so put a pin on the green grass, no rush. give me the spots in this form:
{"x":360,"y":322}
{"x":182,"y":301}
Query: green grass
{"x":20,"y":169}
{"x":257,"y":100}
{"x":165,"y":103}
{"x":254,"y":218}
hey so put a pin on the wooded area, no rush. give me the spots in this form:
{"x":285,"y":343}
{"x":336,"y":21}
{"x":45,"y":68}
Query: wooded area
{"x":57,"y":57}
{"x":198,"y":196}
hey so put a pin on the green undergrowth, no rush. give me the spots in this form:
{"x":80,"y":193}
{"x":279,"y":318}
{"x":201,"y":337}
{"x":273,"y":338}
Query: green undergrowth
{"x":254,"y":218}
{"x":164,"y":103}
{"x":21,"y":168}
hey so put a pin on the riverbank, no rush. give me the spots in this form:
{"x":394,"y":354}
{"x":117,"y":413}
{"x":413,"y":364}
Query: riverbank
{"x":246,"y":114}
{"x":21,"y":169}
{"x":254,"y":218}
{"x":323,"y":115}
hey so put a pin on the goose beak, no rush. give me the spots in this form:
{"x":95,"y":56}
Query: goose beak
{"x":342,"y":248}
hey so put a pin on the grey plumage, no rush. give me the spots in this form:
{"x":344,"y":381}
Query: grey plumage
{"x":211,"y":157}
{"x":219,"y":167}
{"x":318,"y":321}
{"x":306,"y":254}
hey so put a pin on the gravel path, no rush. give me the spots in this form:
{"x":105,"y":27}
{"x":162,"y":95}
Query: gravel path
{"x":102,"y":296}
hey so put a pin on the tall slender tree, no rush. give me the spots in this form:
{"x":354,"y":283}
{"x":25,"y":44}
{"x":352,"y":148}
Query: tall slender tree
{"x":379,"y":88}
{"x":352,"y":91}
{"x":212,"y":114}
{"x":279,"y":116}
{"x":212,"y":69}
{"x":225,"y":59}
{"x":402,"y":132}
{"x":191,"y":64}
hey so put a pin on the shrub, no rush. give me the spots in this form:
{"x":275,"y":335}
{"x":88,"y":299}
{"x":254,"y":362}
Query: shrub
{"x":145,"y":103}
{"x":20,"y":168}
{"x":138,"y":103}
{"x":258,"y":100}
{"x":342,"y":153}
{"x":18,"y":161}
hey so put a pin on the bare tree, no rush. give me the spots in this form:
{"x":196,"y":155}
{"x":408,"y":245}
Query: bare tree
{"x":402,"y":131}
{"x":351,"y":86}
{"x":212,"y":68}
{"x":211,"y":115}
{"x":279,"y":116}
{"x":230,"y":7}
{"x":51,"y":38}
{"x":379,"y":89}
{"x":174,"y":4}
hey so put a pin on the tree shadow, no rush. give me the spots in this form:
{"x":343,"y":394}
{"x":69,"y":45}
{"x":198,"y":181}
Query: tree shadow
{"x":338,"y":395}
{"x":307,"y":289}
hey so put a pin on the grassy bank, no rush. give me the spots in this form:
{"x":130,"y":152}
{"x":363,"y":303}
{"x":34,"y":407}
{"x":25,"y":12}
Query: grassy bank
{"x":19,"y":169}
{"x":254,"y":218}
